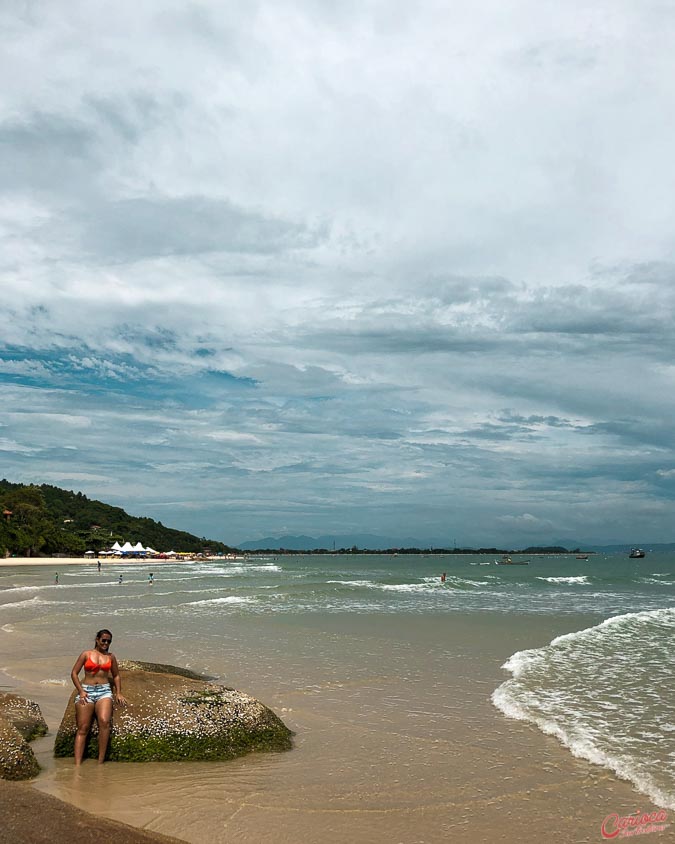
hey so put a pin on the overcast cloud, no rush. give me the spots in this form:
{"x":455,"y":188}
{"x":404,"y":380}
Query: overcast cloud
{"x":313,"y":267}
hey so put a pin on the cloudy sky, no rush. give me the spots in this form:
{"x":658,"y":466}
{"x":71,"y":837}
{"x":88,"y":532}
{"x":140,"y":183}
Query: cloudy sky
{"x":333,"y":267}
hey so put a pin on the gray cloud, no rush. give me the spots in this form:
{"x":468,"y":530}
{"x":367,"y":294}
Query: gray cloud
{"x":45,"y":152}
{"x":135,"y":229}
{"x":350,"y":266}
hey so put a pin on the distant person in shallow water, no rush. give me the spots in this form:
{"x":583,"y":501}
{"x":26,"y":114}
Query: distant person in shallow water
{"x":98,"y":564}
{"x":121,"y":578}
{"x":56,"y":578}
{"x":95,"y":695}
{"x":443,"y":578}
{"x":151,"y":578}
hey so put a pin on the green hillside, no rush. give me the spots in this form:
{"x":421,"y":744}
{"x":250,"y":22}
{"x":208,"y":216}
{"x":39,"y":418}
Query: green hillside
{"x":44,"y":520}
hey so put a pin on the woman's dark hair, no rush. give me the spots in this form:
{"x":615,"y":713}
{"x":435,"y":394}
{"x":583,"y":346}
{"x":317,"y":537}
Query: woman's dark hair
{"x":101,"y":632}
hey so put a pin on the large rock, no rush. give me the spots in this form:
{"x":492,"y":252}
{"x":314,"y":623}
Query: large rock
{"x":20,"y":722}
{"x":30,"y":817}
{"x":24,"y":714}
{"x":174,"y":714}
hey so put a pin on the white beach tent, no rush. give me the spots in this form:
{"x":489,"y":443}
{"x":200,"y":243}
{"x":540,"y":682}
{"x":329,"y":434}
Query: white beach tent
{"x":116,"y":547}
{"x":138,"y":548}
{"x":170,"y":553}
{"x":127,"y":548}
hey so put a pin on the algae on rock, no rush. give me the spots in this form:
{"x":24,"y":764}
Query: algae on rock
{"x":174,"y":715}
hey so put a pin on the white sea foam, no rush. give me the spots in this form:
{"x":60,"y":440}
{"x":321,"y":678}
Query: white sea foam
{"x":229,"y":599}
{"x":9,"y":589}
{"x":581,"y":579}
{"x":353,"y":582}
{"x":407,"y":587}
{"x":454,"y":580}
{"x":576,"y":689}
{"x":66,"y":587}
{"x":29,"y":602}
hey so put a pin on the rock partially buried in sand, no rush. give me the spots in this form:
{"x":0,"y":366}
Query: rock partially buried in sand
{"x":20,"y":722}
{"x":174,"y":714}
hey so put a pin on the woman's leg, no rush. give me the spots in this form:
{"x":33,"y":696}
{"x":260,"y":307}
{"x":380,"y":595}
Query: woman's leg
{"x":83,"y":717}
{"x":104,"y":717}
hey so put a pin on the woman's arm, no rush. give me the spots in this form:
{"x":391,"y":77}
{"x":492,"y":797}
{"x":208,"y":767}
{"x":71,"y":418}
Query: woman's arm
{"x":75,"y":674}
{"x":117,"y":681}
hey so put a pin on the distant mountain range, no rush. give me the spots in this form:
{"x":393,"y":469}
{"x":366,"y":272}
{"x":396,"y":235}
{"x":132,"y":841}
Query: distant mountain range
{"x":362,"y":541}
{"x":366,"y":541}
{"x":372,"y":542}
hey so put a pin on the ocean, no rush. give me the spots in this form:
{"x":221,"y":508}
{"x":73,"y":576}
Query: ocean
{"x":410,"y":697}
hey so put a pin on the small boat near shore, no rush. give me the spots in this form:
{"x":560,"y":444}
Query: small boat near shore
{"x":582,"y":556}
{"x":636,"y":554}
{"x":507,"y":561}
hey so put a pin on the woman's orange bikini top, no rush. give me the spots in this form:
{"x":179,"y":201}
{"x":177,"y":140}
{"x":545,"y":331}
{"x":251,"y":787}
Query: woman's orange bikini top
{"x":94,"y":667}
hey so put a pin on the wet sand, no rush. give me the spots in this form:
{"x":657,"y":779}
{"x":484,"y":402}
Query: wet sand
{"x":397,"y":740}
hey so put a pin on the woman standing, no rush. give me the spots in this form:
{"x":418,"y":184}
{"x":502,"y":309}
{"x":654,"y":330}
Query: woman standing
{"x":95,"y":695}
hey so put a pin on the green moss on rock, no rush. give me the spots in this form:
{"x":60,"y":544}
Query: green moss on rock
{"x":174,"y":717}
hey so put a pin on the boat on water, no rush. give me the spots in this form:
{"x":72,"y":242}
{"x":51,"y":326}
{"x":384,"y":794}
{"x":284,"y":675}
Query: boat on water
{"x":507,"y":561}
{"x":636,"y":554}
{"x":582,"y":556}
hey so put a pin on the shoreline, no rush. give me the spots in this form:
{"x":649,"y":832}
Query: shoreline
{"x":396,"y":735}
{"x":23,"y":562}
{"x":493,"y":777}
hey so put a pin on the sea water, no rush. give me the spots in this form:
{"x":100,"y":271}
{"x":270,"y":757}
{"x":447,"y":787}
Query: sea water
{"x":605,"y":691}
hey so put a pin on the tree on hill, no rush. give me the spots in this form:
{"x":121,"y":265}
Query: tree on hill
{"x":26,"y":525}
{"x":48,"y":520}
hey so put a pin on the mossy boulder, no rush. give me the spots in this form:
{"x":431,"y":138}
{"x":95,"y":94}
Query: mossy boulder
{"x":173,"y":715}
{"x":20,"y":722}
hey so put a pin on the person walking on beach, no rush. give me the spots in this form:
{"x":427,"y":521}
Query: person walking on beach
{"x":98,"y":565}
{"x":56,"y":579}
{"x":95,"y":695}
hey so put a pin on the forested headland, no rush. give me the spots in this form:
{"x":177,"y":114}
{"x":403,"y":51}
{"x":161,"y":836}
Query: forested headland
{"x":46,"y":520}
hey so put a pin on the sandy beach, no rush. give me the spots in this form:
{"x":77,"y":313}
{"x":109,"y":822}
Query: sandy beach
{"x":396,"y":736}
{"x":60,"y":562}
